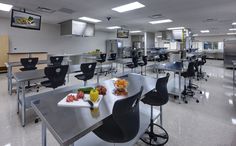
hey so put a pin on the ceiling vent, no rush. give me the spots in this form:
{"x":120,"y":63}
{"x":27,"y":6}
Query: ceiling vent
{"x":156,"y":16}
{"x":45,"y":10}
{"x":66,"y":10}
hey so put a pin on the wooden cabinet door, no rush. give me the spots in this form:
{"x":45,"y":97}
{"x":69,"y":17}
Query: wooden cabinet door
{"x":4,"y":48}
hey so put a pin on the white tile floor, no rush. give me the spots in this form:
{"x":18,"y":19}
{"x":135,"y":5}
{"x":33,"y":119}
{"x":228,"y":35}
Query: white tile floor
{"x":212,"y":122}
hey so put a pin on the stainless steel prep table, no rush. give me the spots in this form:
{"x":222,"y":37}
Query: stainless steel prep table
{"x":21,"y":79}
{"x":68,"y":125}
{"x":9,"y":66}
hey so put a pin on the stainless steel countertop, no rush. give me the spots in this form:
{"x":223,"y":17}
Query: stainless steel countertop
{"x":29,"y":75}
{"x":69,"y":124}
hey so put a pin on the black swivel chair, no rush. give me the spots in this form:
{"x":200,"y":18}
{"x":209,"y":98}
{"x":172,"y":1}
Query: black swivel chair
{"x":143,"y":63}
{"x":88,"y":70}
{"x":133,"y":64}
{"x":102,"y":59}
{"x":56,"y":76}
{"x":201,"y":74}
{"x":123,"y":125}
{"x":28,"y":64}
{"x":157,"y":97}
{"x":190,"y":73}
{"x":112,"y":58}
{"x":56,"y":60}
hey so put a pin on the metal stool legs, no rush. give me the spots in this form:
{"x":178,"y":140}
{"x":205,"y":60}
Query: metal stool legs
{"x":155,"y":138}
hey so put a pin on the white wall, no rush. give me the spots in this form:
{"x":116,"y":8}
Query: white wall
{"x":48,"y":39}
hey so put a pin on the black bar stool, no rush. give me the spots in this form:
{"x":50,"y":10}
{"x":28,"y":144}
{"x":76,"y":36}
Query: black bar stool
{"x":88,"y":70}
{"x":56,"y":76}
{"x":158,"y":97}
{"x":28,"y":64}
{"x":56,"y":60}
{"x":143,"y":63}
{"x":123,"y":125}
{"x":101,"y":60}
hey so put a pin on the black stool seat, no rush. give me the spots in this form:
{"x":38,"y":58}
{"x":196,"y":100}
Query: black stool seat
{"x":153,"y":98}
{"x":29,"y":68}
{"x":81,"y":77}
{"x":87,"y":70}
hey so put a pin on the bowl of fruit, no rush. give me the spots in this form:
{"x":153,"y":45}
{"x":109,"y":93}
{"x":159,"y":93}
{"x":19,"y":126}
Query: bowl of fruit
{"x":121,"y":84}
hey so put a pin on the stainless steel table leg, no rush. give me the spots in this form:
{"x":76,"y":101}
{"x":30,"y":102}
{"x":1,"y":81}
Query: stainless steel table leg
{"x":18,"y":97}
{"x":233,"y":75}
{"x":44,"y":134}
{"x":180,"y":87}
{"x":123,"y":69}
{"x":10,"y":80}
{"x":98,"y":76}
{"x":23,"y":105}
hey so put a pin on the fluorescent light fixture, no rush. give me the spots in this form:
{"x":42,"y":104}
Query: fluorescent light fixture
{"x":205,"y":31}
{"x":161,"y":21}
{"x":232,"y":29}
{"x":234,"y":121}
{"x":234,"y":23}
{"x":159,"y":36}
{"x":195,"y":35}
{"x":231,"y":33}
{"x":113,"y":27}
{"x":5,"y":7}
{"x":231,"y":102}
{"x":175,"y":28}
{"x":135,"y":31}
{"x":90,"y":19}
{"x":128,"y":7}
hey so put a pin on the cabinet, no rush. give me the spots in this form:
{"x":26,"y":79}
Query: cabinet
{"x":4,"y":48}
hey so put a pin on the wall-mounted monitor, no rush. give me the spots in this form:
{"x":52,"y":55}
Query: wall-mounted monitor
{"x":25,"y":20}
{"x":122,"y":33}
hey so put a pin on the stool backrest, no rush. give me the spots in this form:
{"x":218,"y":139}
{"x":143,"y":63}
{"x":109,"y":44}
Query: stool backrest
{"x":145,"y":60}
{"x":56,"y":60}
{"x":56,"y":74}
{"x":29,"y":63}
{"x":113,"y":56}
{"x":161,"y":87}
{"x":103,"y":57}
{"x":135,"y":61}
{"x":191,"y":69}
{"x":88,"y":69}
{"x":126,"y":115}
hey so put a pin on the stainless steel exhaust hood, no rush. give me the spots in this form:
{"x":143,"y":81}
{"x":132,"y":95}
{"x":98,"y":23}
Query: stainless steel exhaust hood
{"x":77,"y":28}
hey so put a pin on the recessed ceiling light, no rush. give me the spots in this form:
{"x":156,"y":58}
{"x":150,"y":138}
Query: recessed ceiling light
{"x":128,"y":7}
{"x":113,"y":27}
{"x":195,"y":35}
{"x":135,"y":31}
{"x":231,"y":33}
{"x":161,"y":21}
{"x":205,"y":31}
{"x":90,"y":19}
{"x":234,"y":23}
{"x":5,"y":7}
{"x":175,"y":28}
{"x":159,"y":36}
{"x":232,"y":29}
